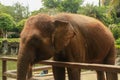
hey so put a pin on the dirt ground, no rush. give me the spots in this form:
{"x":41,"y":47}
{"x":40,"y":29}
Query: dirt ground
{"x":87,"y":75}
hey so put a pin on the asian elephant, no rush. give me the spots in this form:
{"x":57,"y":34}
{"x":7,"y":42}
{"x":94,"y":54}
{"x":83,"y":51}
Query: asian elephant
{"x":69,"y":38}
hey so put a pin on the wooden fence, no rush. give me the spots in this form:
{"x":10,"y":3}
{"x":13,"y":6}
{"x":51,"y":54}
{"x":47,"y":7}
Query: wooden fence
{"x":100,"y":67}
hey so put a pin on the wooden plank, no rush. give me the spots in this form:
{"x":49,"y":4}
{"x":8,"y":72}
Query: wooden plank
{"x":99,"y":67}
{"x":11,"y":75}
{"x":8,"y":58}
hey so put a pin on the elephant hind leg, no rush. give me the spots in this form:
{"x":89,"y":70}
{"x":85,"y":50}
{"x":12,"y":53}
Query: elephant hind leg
{"x":110,"y":59}
{"x":100,"y":75}
{"x":111,"y":76}
{"x":59,"y":73}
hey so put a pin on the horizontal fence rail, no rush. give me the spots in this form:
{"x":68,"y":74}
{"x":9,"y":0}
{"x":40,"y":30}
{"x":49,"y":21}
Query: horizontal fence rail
{"x":99,"y":67}
{"x":8,"y":59}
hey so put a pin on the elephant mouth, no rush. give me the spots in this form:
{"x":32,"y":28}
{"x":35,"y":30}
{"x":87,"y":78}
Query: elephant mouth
{"x":43,"y":54}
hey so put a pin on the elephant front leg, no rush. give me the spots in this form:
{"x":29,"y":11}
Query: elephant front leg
{"x":74,"y":73}
{"x":100,"y":75}
{"x":59,"y":73}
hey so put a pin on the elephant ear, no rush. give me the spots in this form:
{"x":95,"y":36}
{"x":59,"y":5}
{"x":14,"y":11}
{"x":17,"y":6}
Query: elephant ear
{"x":62,"y":35}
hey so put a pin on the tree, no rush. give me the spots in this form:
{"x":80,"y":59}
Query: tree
{"x":51,"y":3}
{"x":115,"y":28}
{"x":115,"y":7}
{"x":17,"y":29}
{"x":115,"y":2}
{"x":97,"y":12}
{"x":20,"y":25}
{"x":70,"y":5}
{"x":20,"y":12}
{"x":63,"y":5}
{"x":88,"y":9}
{"x":2,"y":8}
{"x":104,"y":2}
{"x":7,"y":9}
{"x":45,"y":11}
{"x":17,"y":11}
{"x":6,"y":23}
{"x":107,"y":2}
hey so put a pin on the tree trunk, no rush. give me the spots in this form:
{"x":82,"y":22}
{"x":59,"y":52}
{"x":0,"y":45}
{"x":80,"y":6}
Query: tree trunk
{"x":99,"y":3}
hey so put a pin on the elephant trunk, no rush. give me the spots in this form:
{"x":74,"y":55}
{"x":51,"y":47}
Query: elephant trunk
{"x":22,"y":68}
{"x":23,"y":64}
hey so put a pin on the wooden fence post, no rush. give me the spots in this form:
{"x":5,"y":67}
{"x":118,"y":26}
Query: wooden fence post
{"x":4,"y":68}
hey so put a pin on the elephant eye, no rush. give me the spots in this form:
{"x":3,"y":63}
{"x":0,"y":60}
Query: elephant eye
{"x":34,"y":41}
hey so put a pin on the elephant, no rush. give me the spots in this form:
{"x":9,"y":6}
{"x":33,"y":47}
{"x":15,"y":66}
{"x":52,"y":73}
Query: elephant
{"x":65,"y":37}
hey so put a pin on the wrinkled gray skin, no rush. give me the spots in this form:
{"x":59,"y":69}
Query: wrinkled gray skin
{"x":65,"y":37}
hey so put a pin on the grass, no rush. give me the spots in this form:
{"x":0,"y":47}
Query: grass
{"x":10,"y":39}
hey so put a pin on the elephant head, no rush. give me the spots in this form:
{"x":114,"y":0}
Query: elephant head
{"x":41,"y":37}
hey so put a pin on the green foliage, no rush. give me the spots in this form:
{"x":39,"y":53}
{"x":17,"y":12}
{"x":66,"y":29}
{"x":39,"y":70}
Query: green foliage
{"x":14,"y":35}
{"x":97,"y":12}
{"x":6,"y":22}
{"x":63,"y":5}
{"x":117,"y":46}
{"x":10,"y":39}
{"x":20,"y":25}
{"x":20,"y":11}
{"x":46,"y":11}
{"x":118,"y":41}
{"x":115,"y":28}
{"x":17,"y":11}
{"x":115,"y":3}
{"x":7,"y":9}
{"x":50,"y":3}
{"x":70,"y":5}
{"x":106,"y":2}
{"x":2,"y":8}
{"x":89,"y":10}
{"x":115,"y":6}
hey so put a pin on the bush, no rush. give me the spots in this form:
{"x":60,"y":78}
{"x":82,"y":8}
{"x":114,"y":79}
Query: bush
{"x":6,"y":21}
{"x":15,"y":35}
{"x":118,"y":41}
{"x":115,"y":28}
{"x":20,"y":25}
